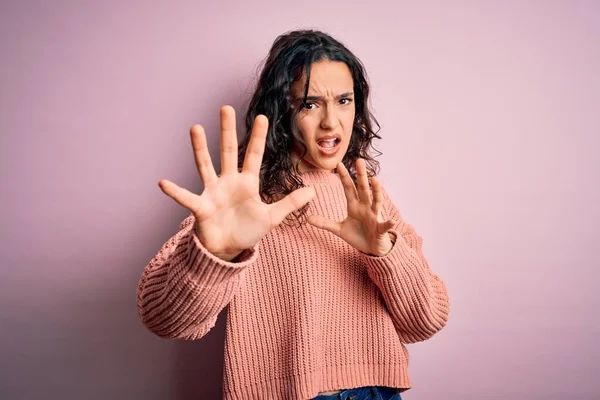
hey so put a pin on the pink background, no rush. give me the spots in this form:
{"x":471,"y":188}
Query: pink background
{"x":490,"y":119}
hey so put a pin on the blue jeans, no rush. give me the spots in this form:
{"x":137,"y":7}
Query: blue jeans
{"x":363,"y":393}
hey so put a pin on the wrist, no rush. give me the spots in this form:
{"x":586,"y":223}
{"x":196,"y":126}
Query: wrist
{"x":390,"y":240}
{"x":223,"y":254}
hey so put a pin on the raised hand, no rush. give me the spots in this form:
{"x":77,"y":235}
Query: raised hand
{"x":230,"y":215}
{"x":363,"y":228}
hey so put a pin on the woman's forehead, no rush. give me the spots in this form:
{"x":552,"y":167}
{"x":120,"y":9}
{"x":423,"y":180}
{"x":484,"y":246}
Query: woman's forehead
{"x":327,"y":78}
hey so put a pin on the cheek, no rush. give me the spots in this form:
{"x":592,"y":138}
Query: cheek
{"x":348,"y":121}
{"x":307,"y":125}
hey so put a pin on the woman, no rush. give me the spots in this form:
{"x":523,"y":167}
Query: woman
{"x":324,"y":281}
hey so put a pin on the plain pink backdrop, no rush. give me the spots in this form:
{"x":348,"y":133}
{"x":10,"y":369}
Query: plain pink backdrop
{"x":490,"y":124}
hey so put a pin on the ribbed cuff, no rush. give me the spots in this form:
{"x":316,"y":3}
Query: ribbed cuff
{"x":402,"y":259}
{"x":208,"y":269}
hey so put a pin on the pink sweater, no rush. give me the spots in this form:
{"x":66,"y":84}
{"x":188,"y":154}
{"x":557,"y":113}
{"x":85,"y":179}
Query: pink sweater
{"x":307,"y":312}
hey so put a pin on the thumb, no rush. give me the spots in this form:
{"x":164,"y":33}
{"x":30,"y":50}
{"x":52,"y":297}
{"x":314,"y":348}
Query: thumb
{"x":386,"y":226}
{"x":290,"y":203}
{"x":324,"y":223}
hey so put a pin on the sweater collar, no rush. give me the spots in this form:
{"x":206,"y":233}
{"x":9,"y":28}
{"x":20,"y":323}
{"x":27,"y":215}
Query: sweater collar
{"x":316,"y":177}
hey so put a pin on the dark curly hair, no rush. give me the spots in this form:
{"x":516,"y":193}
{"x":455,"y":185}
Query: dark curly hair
{"x":292,"y":55}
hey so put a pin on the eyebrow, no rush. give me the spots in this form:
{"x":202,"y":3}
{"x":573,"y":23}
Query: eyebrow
{"x":317,"y":98}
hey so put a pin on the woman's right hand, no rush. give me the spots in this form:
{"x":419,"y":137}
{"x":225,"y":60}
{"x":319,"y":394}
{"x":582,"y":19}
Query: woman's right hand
{"x":230,"y":214}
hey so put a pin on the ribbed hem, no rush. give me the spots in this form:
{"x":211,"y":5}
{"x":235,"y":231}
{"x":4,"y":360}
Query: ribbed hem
{"x":328,"y":378}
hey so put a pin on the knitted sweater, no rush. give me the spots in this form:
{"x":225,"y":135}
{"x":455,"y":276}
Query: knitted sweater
{"x":307,"y":312}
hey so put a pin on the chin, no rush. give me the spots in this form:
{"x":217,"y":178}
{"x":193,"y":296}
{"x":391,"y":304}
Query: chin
{"x":318,"y":161}
{"x":325,"y":165}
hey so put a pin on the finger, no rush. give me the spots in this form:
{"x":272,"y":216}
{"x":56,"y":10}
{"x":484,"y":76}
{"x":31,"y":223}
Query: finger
{"x":364,"y":193}
{"x":256,"y":146}
{"x":377,"y":196}
{"x":324,"y":223}
{"x":202,"y":156}
{"x":229,"y":143}
{"x":347,"y":182}
{"x":293,"y":201}
{"x":182,"y":196}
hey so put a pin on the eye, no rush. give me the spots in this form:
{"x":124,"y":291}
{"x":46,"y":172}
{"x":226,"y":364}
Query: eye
{"x":345,"y":101}
{"x":309,"y":106}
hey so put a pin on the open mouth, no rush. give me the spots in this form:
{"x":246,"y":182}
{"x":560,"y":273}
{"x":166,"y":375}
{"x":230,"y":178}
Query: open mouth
{"x":329,"y":145}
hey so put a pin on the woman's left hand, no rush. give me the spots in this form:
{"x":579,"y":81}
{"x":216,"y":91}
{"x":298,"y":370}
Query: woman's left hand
{"x":363,"y":228}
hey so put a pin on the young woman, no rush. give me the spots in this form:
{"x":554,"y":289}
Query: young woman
{"x":324,"y":280}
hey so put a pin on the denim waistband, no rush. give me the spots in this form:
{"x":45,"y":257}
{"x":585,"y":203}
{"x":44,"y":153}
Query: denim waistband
{"x":363,"y":393}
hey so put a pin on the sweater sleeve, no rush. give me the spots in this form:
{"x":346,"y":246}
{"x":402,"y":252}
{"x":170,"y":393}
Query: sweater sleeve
{"x":185,"y":287}
{"x":416,"y":298}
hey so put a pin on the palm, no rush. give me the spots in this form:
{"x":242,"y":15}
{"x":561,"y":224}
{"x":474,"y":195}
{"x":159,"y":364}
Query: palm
{"x":358,"y":234}
{"x":230,"y":215}
{"x":363,"y":228}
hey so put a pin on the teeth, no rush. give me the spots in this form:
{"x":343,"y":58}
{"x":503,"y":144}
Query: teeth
{"x":329,"y":143}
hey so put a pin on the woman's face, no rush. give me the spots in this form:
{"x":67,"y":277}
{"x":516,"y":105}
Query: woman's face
{"x":326,"y":122}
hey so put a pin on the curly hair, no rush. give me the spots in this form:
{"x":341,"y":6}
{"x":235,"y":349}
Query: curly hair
{"x":292,"y":55}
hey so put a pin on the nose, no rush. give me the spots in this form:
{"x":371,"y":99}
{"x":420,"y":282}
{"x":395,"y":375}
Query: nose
{"x":329,"y":118}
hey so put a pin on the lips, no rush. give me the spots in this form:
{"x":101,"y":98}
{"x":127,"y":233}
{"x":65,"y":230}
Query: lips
{"x":329,"y":145}
{"x":329,"y":141}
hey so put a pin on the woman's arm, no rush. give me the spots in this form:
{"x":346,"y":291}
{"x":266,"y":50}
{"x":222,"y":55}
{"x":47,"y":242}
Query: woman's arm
{"x":416,"y":298}
{"x":184,"y":287}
